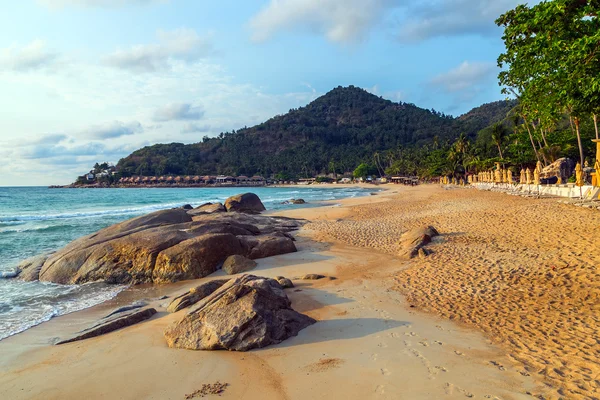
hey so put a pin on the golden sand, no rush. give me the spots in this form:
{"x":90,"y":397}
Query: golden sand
{"x":525,"y":271}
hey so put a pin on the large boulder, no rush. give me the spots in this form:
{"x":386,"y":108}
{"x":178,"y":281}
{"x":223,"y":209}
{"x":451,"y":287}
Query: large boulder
{"x":236,"y":264}
{"x":29,"y":270}
{"x":247,"y":312}
{"x":164,"y":246}
{"x":266,"y":246}
{"x":194,"y":295}
{"x":561,"y":169}
{"x":246,"y":203}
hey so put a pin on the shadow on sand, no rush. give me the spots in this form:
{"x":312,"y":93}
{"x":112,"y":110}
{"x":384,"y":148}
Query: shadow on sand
{"x":342,"y":329}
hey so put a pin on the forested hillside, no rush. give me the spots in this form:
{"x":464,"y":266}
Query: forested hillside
{"x":336,"y":132}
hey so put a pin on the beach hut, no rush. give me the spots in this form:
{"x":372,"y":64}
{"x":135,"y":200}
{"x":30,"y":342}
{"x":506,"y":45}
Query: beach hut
{"x":177,"y":179}
{"x":196,"y":179}
{"x":170,"y":179}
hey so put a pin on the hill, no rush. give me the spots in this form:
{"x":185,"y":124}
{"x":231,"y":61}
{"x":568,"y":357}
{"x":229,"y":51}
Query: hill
{"x":336,"y":131}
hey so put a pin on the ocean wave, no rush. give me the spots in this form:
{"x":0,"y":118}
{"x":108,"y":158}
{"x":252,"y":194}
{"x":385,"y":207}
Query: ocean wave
{"x":88,"y":213}
{"x":9,"y":274}
{"x":22,"y":317}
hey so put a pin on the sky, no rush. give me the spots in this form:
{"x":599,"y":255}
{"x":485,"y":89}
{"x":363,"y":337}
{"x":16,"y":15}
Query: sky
{"x":85,"y":81}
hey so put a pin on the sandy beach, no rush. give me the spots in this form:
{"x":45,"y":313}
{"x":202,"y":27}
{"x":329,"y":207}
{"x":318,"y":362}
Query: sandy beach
{"x":504,"y":308}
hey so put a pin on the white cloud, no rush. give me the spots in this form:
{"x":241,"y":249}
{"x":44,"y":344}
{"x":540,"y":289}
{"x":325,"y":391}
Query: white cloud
{"x":112,"y":130}
{"x":393,"y":95}
{"x":193,"y":127}
{"x":442,"y":18}
{"x":466,"y":77}
{"x":341,"y":21}
{"x":96,"y":3}
{"x":87,"y":93}
{"x":33,"y":56}
{"x":181,"y":44}
{"x":178,"y":112}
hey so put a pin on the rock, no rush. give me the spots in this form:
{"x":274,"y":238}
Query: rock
{"x":266,"y":246}
{"x":187,"y":207}
{"x":246,"y":203}
{"x":164,"y":246}
{"x":117,"y":321}
{"x":236,"y":264}
{"x":423,"y":253}
{"x":208,"y":208}
{"x":29,"y":270}
{"x":413,"y":240}
{"x":132,"y":306}
{"x":195,"y":258}
{"x":284,"y":282}
{"x":194,"y":295}
{"x":297,"y":201}
{"x":312,"y":277}
{"x":562,"y":168}
{"x":247,"y":312}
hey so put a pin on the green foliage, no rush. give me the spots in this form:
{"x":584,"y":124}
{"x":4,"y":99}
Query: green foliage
{"x":364,"y":170}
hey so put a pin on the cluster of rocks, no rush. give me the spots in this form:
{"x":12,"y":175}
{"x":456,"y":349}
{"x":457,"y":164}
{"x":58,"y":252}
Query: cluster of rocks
{"x":294,"y":201}
{"x":170,"y":245}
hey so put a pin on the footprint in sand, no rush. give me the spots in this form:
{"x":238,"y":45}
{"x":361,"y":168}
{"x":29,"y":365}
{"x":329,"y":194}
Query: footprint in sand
{"x":497,"y":364}
{"x":459,"y":353}
{"x":438,"y":342}
{"x":394,"y":335}
{"x":374,"y":356}
{"x":450,"y":387}
{"x":380,"y":389}
{"x":424,"y":343}
{"x":443,"y":369}
{"x":385,"y":372}
{"x":410,"y":334}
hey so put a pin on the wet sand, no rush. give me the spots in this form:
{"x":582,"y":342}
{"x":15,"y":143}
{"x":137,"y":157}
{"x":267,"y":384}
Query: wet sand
{"x":369,"y":341}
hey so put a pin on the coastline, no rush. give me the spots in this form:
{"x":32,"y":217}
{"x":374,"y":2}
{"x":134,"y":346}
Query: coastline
{"x":368,"y":342}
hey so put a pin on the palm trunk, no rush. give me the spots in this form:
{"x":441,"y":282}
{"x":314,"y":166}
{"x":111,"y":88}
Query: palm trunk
{"x":595,"y":124}
{"x":576,"y":120}
{"x":531,"y":138}
{"x":500,"y":150}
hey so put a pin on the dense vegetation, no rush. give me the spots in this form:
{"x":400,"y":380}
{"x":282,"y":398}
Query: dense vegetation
{"x":332,"y":134}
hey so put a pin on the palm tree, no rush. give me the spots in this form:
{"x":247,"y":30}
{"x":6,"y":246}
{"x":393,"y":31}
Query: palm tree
{"x":499,"y":136}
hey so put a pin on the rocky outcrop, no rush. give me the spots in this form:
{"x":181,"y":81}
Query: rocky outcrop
{"x":194,"y":295}
{"x":412,"y":241}
{"x":246,"y":203}
{"x":562,"y":169}
{"x":245,"y":313}
{"x":112,"y":323}
{"x":312,"y":277}
{"x":164,"y":246}
{"x":236,"y":264}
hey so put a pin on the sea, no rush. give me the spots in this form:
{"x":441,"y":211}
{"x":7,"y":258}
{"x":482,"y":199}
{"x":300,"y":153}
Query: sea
{"x":36,"y":220}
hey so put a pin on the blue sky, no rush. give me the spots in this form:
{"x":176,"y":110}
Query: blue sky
{"x":92,"y":80}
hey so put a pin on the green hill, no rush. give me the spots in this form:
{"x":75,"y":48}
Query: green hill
{"x":342,"y":128}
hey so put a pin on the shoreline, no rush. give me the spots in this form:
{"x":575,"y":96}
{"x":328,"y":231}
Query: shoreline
{"x":367,"y":335}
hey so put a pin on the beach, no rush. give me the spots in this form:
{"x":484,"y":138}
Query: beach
{"x":505,"y":307}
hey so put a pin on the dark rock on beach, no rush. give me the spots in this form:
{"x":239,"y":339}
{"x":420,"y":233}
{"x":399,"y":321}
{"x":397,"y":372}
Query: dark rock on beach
{"x":208,"y":208}
{"x":165,"y":246}
{"x":247,"y":312}
{"x":112,"y":323}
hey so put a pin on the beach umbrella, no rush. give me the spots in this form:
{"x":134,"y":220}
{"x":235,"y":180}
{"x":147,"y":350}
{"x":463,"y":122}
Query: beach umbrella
{"x":578,"y":175}
{"x":536,"y":173}
{"x":504,"y":177}
{"x":498,"y":174}
{"x":509,"y":177}
{"x":528,"y":175}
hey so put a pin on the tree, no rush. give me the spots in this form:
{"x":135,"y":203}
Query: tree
{"x":362,"y":171}
{"x":499,"y":136}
